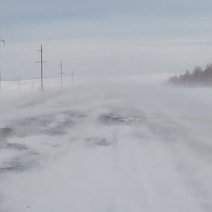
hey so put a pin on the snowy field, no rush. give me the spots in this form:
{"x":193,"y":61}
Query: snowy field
{"x":113,"y":145}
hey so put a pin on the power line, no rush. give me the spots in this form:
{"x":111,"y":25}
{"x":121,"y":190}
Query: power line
{"x":3,"y":41}
{"x":41,"y":66}
{"x":61,"y":73}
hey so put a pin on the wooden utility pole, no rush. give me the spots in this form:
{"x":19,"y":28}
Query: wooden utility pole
{"x":3,"y":41}
{"x":61,"y":74}
{"x":41,"y":67}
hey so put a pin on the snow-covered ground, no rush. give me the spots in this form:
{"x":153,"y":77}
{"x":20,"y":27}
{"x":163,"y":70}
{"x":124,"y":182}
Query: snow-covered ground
{"x":113,"y":145}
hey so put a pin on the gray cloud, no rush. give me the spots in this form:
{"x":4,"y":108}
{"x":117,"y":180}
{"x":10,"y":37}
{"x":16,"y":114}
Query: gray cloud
{"x":33,"y":11}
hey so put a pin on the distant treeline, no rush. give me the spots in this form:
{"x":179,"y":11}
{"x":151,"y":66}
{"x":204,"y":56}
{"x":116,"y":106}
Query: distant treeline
{"x":198,"y":77}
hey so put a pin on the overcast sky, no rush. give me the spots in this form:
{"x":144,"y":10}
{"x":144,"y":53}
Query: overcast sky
{"x":105,"y":37}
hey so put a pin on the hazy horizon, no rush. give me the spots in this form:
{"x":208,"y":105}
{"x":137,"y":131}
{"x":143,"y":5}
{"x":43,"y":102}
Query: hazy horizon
{"x":104,"y":38}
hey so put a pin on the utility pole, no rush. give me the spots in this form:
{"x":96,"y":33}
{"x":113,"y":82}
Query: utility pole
{"x":61,"y":74}
{"x":41,"y":67}
{"x":3,"y":41}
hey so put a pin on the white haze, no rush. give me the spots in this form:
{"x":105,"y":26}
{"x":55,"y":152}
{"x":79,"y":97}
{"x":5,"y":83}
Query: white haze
{"x":102,"y":56}
{"x":104,"y":37}
{"x":114,"y":144}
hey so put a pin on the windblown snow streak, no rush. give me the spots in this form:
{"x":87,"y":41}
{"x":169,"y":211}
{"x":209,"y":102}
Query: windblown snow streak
{"x":109,"y":147}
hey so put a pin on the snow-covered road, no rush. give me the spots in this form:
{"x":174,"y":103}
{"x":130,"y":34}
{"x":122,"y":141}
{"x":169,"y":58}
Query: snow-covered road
{"x":107,"y":147}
